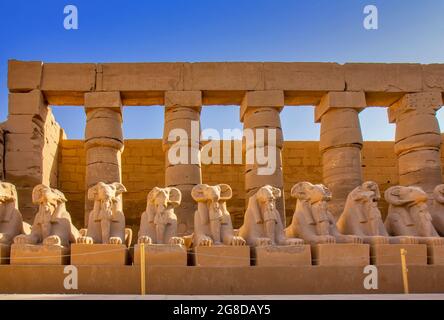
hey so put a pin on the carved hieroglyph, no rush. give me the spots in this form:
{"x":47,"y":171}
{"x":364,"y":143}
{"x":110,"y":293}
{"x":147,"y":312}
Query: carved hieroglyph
{"x":312,"y":220}
{"x":362,"y":217}
{"x":158,"y":223}
{"x":262,"y":222}
{"x":11,"y":222}
{"x":52,"y":223}
{"x":408,"y":215}
{"x":437,"y":210}
{"x":212,"y":221}
{"x":106,"y":221}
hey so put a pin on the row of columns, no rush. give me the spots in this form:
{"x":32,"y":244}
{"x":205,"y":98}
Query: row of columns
{"x":417,"y":145}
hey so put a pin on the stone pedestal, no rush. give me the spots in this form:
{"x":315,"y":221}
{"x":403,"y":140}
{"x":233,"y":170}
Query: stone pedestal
{"x":162,"y":255}
{"x":29,"y":254}
{"x":341,"y":254}
{"x":263,"y":138}
{"x":5,"y":250}
{"x":221,"y":256}
{"x":281,"y":256}
{"x":390,"y":254}
{"x":340,"y":144}
{"x":99,"y":254}
{"x":435,"y":255}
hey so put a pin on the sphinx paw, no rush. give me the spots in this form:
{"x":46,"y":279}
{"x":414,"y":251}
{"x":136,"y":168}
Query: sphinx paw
{"x":52,"y":241}
{"x":115,"y":240}
{"x":145,"y":240}
{"x":237,"y":241}
{"x":262,"y":242}
{"x":177,"y":240}
{"x":22,"y":239}
{"x":85,"y":240}
{"x":294,"y":242}
{"x":205,"y":241}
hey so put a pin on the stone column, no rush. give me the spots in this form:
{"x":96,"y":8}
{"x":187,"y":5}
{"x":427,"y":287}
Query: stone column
{"x":260,"y":112}
{"x":340,"y":144}
{"x":103,"y":140}
{"x":32,"y":138}
{"x":418,"y":139}
{"x":181,"y":137}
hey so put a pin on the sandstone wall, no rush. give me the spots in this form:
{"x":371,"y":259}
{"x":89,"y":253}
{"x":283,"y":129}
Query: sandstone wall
{"x":143,"y":168}
{"x":31,"y":138}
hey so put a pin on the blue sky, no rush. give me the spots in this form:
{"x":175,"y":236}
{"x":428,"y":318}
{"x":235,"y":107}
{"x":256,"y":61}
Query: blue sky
{"x":220,"y":30}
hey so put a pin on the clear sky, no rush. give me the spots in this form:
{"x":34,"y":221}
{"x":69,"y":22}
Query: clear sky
{"x":220,"y":30}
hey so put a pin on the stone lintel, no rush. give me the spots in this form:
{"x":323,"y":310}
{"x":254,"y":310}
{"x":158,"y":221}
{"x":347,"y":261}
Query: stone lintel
{"x":340,"y":99}
{"x":421,"y":102}
{"x":24,"y":76}
{"x":261,"y":99}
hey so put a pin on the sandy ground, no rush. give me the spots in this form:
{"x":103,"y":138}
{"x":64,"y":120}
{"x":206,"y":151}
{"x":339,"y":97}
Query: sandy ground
{"x":224,"y":297}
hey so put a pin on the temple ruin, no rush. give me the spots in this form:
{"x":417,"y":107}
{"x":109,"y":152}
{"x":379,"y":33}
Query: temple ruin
{"x":35,"y":150}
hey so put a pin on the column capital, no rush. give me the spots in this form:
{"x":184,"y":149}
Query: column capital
{"x":262,"y":99}
{"x":340,"y":99}
{"x":188,"y":99}
{"x":107,"y":100}
{"x":415,"y":103}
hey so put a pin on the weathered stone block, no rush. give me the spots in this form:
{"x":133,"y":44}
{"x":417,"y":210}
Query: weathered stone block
{"x":27,"y":103}
{"x":140,"y":76}
{"x":180,"y":113}
{"x":183,"y":99}
{"x":433,"y":77}
{"x":435,"y":255}
{"x":224,"y":76}
{"x":262,"y":117}
{"x":340,"y":254}
{"x":162,"y":255}
{"x":107,"y":128}
{"x":103,"y":155}
{"x":340,"y":127}
{"x":99,"y":254}
{"x":24,"y":76}
{"x":304,"y":76}
{"x":415,"y":104}
{"x":254,"y":180}
{"x":221,"y":256}
{"x":261,"y":99}
{"x":183,"y":174}
{"x":5,"y":251}
{"x":102,"y":172}
{"x":281,"y":256}
{"x":30,"y":254}
{"x":333,"y":100}
{"x":382,"y":77}
{"x":24,"y":142}
{"x":23,"y":160}
{"x":23,"y":123}
{"x":103,"y":100}
{"x":390,"y":254}
{"x":69,"y":77}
